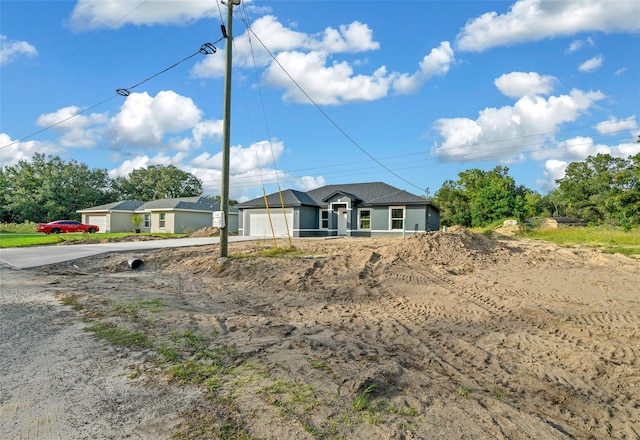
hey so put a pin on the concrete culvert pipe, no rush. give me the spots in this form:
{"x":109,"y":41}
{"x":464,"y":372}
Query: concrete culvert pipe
{"x":135,"y":263}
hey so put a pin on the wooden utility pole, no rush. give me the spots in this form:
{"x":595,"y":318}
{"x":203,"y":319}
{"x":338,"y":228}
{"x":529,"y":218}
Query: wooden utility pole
{"x":226,"y":131}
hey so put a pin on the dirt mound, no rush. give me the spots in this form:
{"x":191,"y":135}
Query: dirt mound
{"x":439,"y":335}
{"x":208,"y":231}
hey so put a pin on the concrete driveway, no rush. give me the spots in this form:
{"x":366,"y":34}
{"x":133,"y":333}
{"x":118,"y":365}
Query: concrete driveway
{"x":25,"y":257}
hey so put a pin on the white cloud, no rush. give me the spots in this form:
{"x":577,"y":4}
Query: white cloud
{"x":591,"y":64}
{"x":503,"y":133}
{"x":79,"y":130}
{"x":579,"y":44}
{"x":14,"y":151}
{"x":576,"y":150}
{"x":11,"y":49}
{"x":309,"y":60}
{"x":312,"y":74}
{"x":249,"y":168}
{"x":144,"y":120}
{"x":249,"y":51}
{"x":144,"y":161}
{"x":114,"y":14}
{"x":307,"y":183}
{"x":534,"y":20}
{"x":437,"y":62}
{"x":519,"y":84}
{"x":553,"y":170}
{"x":614,"y":125}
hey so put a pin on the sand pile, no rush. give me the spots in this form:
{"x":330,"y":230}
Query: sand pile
{"x":459,"y":336}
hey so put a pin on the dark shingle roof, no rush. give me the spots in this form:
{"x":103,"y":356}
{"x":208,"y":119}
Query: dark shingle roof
{"x":290,"y":197}
{"x":368,"y":194}
{"x":125,"y":205}
{"x":186,"y":203}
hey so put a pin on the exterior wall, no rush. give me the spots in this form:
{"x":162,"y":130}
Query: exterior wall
{"x":418,"y":219}
{"x":186,"y":222}
{"x":308,"y":222}
{"x":379,"y":218}
{"x":120,"y":222}
{"x":168,"y":222}
{"x":415,"y":219}
{"x":433,"y":219}
{"x":233,"y":223}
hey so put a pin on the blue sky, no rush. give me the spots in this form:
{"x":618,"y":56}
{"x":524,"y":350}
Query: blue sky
{"x":324,"y":92}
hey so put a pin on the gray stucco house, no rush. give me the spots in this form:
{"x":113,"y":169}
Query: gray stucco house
{"x":357,"y":210}
{"x":175,"y":216}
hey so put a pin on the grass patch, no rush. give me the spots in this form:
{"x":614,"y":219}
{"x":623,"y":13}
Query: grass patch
{"x":153,"y":305}
{"x":10,"y":239}
{"x":464,"y":391}
{"x":610,"y":240}
{"x":277,"y":252}
{"x":363,"y":398}
{"x":120,"y":337}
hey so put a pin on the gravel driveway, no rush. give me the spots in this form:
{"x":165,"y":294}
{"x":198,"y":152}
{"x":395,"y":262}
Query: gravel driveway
{"x":58,"y":382}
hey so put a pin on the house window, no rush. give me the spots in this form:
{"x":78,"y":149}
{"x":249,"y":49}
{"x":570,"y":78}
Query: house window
{"x":147,"y":220}
{"x":364,"y":219}
{"x":162,"y":219}
{"x":324,"y":219}
{"x":397,"y":218}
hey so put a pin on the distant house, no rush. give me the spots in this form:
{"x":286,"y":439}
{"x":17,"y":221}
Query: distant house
{"x":359,"y":209}
{"x":176,"y":216}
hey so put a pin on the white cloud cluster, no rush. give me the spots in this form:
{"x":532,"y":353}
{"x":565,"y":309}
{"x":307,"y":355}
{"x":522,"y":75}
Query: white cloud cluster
{"x":308,"y":59}
{"x":534,"y":20}
{"x":591,"y":64}
{"x":579,"y":44}
{"x":114,"y":14}
{"x":519,"y":84}
{"x":14,"y":151}
{"x":144,"y":120}
{"x":504,"y":133}
{"x":11,"y":49}
{"x":574,"y":150}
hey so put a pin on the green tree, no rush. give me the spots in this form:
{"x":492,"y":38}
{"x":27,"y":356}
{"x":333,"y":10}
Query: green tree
{"x":219,"y":199}
{"x":480,"y":197}
{"x":602,"y":189}
{"x":157,"y":182}
{"x":48,"y":188}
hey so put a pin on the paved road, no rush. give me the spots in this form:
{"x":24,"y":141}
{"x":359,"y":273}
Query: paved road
{"x":25,"y":257}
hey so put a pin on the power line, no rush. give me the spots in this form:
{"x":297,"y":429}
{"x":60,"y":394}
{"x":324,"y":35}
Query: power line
{"x":205,"y":49}
{"x":334,"y":123}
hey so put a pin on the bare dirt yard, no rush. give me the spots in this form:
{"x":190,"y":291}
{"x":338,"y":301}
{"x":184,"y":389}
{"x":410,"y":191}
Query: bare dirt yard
{"x":438,"y":336}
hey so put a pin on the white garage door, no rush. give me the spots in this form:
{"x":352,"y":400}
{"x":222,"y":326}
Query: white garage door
{"x":259,"y":225}
{"x":98,"y":220}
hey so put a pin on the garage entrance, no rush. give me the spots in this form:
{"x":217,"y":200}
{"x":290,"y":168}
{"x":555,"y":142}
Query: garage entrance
{"x":259,"y":225}
{"x":98,"y":220}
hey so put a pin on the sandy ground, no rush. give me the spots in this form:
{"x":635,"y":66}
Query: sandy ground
{"x":439,"y":336}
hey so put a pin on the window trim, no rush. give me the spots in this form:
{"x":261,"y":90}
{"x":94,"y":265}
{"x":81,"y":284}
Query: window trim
{"x":163,"y":220}
{"x":392,"y":218}
{"x":360,"y":211}
{"x":147,"y":220}
{"x":324,"y":211}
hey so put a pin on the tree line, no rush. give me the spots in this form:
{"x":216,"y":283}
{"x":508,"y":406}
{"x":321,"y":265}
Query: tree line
{"x":49,"y":188}
{"x":601,"y":189}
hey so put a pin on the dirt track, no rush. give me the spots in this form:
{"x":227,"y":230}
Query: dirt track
{"x":453,"y":335}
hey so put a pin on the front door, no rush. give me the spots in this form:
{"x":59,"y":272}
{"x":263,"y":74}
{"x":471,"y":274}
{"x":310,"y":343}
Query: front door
{"x":342,"y":221}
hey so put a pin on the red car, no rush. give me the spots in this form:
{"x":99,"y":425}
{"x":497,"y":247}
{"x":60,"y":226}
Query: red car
{"x":66,"y":226}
